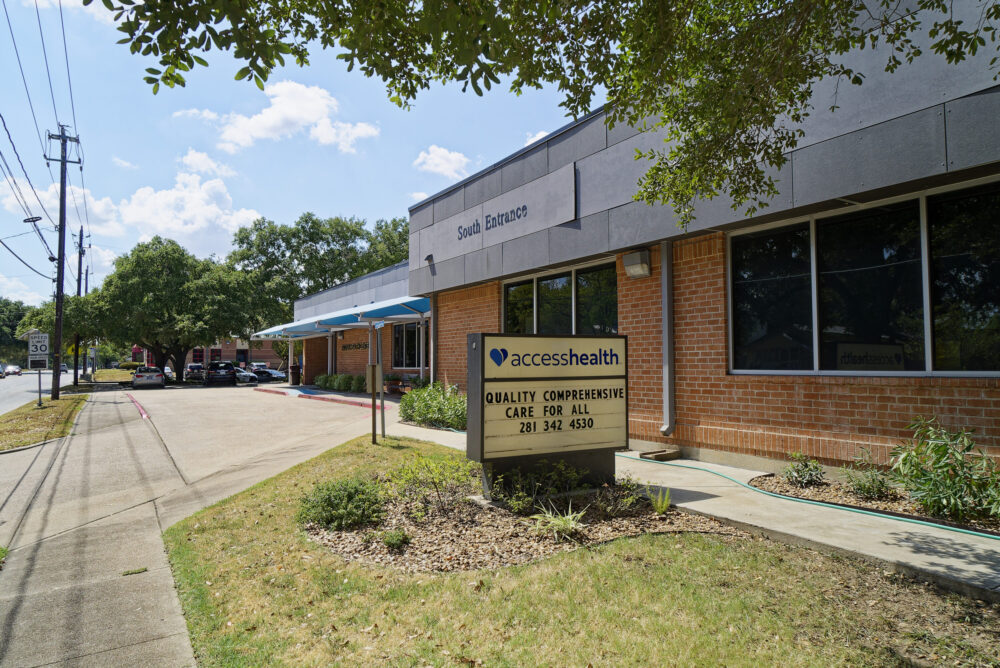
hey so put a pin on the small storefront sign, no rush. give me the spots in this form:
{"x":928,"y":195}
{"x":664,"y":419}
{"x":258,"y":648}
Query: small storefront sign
{"x":532,"y":395}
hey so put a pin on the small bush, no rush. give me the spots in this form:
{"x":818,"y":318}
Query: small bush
{"x":342,"y":504}
{"x":342,"y":383}
{"x":803,"y":472}
{"x":946,"y":474}
{"x":435,"y":406}
{"x":865,"y":480}
{"x":416,"y":382}
{"x":618,"y":499}
{"x":660,"y":500}
{"x":358,"y":384}
{"x":395,"y":539}
{"x":520,"y":490}
{"x":130,"y":366}
{"x":561,"y":526}
{"x":320,"y":380}
{"x":438,"y":482}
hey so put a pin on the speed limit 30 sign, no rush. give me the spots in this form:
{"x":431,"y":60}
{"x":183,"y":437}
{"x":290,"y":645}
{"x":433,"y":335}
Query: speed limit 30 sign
{"x":38,"y":351}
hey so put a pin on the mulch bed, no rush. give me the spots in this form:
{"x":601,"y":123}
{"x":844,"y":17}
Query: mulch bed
{"x":836,"y":492}
{"x":471,"y":536}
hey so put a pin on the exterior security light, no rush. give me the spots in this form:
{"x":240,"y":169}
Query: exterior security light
{"x":429,"y":259}
{"x":637,"y":264}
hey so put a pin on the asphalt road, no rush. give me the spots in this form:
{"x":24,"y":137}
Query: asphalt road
{"x":18,"y":390}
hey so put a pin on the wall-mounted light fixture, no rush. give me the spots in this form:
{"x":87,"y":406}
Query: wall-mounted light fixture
{"x":637,"y":264}
{"x":429,"y":259}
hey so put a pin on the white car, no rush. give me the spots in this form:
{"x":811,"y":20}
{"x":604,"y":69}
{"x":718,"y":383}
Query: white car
{"x":168,"y":372}
{"x":244,"y":376}
{"x":148,"y":376}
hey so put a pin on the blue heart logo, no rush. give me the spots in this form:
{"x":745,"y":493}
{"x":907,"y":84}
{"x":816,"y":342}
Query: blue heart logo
{"x":498,"y":355}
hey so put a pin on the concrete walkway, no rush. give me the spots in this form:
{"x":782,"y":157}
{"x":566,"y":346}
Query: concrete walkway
{"x":956,"y":561}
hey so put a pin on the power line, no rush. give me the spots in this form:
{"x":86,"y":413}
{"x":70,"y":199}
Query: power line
{"x":45,"y":55}
{"x":14,"y":236}
{"x":23,"y":170}
{"x":24,"y":79}
{"x":69,"y":79}
{"x":22,"y":261}
{"x":15,"y":188}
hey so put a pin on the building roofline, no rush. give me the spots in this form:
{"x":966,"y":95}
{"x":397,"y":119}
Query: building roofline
{"x":509,"y":158}
{"x":404,"y":263}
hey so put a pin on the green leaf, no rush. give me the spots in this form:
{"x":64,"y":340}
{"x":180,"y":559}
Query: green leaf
{"x":260,"y":82}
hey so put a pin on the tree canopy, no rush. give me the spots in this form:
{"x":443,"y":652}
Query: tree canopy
{"x":11,"y":349}
{"x":729,"y":80}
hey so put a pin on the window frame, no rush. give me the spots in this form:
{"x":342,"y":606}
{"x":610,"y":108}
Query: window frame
{"x":416,"y":344}
{"x":542,"y":275}
{"x":925,"y":256}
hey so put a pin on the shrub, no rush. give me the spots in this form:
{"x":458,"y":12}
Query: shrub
{"x":865,"y":480}
{"x":436,"y":406}
{"x":358,"y":384}
{"x":660,"y":500}
{"x":320,"y":380}
{"x":343,"y":382}
{"x":803,"y":472}
{"x":342,"y":504}
{"x":520,"y":489}
{"x":618,"y":499}
{"x":129,"y":366}
{"x":562,"y":526}
{"x":440,"y":482}
{"x":416,"y":382}
{"x":395,"y":539}
{"x":945,"y":473}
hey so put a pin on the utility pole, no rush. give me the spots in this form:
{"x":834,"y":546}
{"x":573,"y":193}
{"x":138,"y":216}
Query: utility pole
{"x":63,"y":160}
{"x":76,"y":335}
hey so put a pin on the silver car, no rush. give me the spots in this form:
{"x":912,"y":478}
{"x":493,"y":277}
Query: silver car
{"x":149,"y":376}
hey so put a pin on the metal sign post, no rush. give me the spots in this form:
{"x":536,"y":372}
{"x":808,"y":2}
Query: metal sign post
{"x":38,"y":357}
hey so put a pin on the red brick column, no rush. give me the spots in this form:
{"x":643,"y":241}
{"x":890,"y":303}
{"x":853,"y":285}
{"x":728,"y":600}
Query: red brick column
{"x":460,"y":312}
{"x":313,"y":359}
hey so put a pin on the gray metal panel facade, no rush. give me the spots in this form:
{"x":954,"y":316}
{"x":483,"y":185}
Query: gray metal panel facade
{"x":926,"y":120}
{"x":388,"y":283}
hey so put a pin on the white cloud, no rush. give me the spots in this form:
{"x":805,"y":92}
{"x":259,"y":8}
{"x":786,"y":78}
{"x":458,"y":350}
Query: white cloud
{"x":532,"y":138}
{"x":203,"y":114}
{"x":124,"y":164}
{"x":342,"y":134}
{"x":14,"y":288}
{"x":96,"y":10}
{"x":103,"y":213}
{"x":418,"y":196}
{"x":189,"y":206}
{"x":201,"y":163}
{"x":441,"y":161}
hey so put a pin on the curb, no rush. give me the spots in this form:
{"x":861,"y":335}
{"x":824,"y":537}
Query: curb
{"x":942,"y":581}
{"x":323,"y":397}
{"x":264,"y":389}
{"x":29,"y":447}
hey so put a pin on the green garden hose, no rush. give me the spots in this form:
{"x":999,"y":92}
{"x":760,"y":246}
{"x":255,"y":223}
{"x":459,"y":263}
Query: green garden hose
{"x":819,"y":503}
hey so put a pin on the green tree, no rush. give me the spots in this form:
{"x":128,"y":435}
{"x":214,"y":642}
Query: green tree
{"x":729,"y":80}
{"x":388,"y":244}
{"x":12,"y":350}
{"x":77,"y":317}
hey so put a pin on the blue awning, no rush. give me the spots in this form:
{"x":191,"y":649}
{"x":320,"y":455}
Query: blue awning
{"x":399,"y":309}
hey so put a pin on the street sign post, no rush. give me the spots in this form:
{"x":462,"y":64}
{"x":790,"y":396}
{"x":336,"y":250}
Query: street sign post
{"x":38,"y":356}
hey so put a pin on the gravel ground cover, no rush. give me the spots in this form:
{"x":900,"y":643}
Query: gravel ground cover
{"x":836,"y":492}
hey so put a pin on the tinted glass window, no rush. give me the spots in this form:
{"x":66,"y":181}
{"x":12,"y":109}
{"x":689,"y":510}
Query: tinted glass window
{"x":870,"y":290}
{"x":772,"y":300}
{"x":555,"y":305}
{"x":518,"y":305}
{"x":597,"y":300}
{"x":965,"y":279}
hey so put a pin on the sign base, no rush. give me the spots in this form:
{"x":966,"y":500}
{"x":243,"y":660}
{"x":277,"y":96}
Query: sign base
{"x":599,"y":464}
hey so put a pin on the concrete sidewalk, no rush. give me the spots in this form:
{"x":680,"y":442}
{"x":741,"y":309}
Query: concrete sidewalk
{"x":956,"y":561}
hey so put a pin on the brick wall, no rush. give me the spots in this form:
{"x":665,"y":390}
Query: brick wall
{"x":230,"y":346}
{"x":313,"y":359}
{"x":827,"y":417}
{"x":355,"y":360}
{"x":460,"y":312}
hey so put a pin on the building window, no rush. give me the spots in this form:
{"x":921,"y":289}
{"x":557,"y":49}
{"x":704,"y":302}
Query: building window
{"x":912,"y":286}
{"x":198,"y":356}
{"x":581,"y":301}
{"x":555,"y":304}
{"x":597,"y":300}
{"x":871,"y":313}
{"x":772,"y":300}
{"x":518,"y":307}
{"x":965,"y":279}
{"x":406,"y":346}
{"x":215,"y":355}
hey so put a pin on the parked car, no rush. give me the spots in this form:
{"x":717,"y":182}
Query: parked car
{"x":148,"y":376}
{"x":3,"y":370}
{"x":168,"y":372}
{"x":267,"y":375}
{"x":63,"y":368}
{"x":13,"y":370}
{"x":194,"y":372}
{"x":220,"y":372}
{"x":257,"y":365}
{"x":244,"y":376}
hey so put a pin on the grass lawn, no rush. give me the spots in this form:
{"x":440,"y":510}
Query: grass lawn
{"x":30,"y":424}
{"x":112,"y":375}
{"x":255,"y":591}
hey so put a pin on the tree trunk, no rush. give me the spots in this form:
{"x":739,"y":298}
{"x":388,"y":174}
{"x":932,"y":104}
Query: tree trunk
{"x":179,"y":355}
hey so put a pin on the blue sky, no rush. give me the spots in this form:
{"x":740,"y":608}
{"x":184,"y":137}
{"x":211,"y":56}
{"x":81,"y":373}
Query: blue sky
{"x":195,"y":163}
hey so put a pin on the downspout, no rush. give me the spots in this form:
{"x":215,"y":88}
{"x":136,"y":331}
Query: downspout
{"x":667,"y":311}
